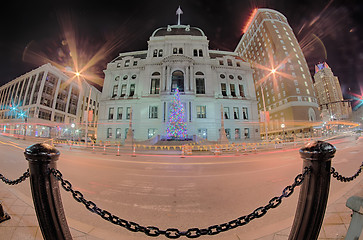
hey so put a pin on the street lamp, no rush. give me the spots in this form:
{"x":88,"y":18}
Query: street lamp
{"x":72,"y":126}
{"x":283,"y":130}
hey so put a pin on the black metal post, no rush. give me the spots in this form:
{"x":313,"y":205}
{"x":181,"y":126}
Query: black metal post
{"x":46,"y":196}
{"x":314,"y":191}
{"x":3,"y":215}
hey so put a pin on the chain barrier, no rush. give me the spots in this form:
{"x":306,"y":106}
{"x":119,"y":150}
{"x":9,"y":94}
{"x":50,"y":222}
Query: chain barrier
{"x":173,"y":232}
{"x":17,"y":181}
{"x":341,"y":178}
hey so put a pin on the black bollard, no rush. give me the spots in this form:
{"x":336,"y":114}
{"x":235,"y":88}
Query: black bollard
{"x":3,"y":215}
{"x":45,"y":191}
{"x":313,"y":192}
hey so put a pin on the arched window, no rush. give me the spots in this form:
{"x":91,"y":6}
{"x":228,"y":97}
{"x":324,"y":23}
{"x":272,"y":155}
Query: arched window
{"x":155,"y":83}
{"x":177,"y":81}
{"x":180,"y":51}
{"x":160,"y":52}
{"x":200,"y":53}
{"x":200,"y":83}
{"x":155,"y":54}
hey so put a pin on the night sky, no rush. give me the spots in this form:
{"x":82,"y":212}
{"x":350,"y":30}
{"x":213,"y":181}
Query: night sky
{"x":330,"y":31}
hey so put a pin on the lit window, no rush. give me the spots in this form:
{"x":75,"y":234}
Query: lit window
{"x":119,"y":113}
{"x":110,"y":113}
{"x":201,"y":112}
{"x":153,"y":112}
{"x":123,"y":90}
{"x":114,"y":91}
{"x":224,"y":89}
{"x":127,"y":63}
{"x":109,"y":132}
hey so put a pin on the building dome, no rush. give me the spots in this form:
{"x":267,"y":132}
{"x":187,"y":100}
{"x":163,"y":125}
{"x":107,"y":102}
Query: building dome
{"x":178,"y":30}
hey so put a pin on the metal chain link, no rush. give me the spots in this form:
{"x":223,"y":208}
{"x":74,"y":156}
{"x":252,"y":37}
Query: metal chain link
{"x":341,"y":178}
{"x":17,"y":181}
{"x":173,"y":232}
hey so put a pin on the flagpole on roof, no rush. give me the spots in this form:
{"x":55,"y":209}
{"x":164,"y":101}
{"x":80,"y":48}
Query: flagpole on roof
{"x":179,"y":12}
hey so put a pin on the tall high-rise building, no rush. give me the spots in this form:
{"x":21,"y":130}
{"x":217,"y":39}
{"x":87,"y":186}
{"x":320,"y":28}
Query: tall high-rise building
{"x":329,"y":94}
{"x":284,"y":88}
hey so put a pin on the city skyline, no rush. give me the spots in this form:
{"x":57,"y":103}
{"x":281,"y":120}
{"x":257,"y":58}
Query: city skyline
{"x":93,"y":26}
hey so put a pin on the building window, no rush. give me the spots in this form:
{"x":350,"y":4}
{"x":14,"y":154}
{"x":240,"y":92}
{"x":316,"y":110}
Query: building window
{"x":200,"y":86}
{"x":160,"y":52}
{"x":155,"y":54}
{"x":132,"y":90}
{"x":151,"y":132}
{"x":114,"y":91}
{"x":200,"y":53}
{"x":229,"y":62}
{"x":155,"y":86}
{"x":247,"y":133}
{"x":221,"y":62}
{"x":245,"y":113}
{"x":195,"y":53}
{"x":226,"y":112}
{"x":233,"y":90}
{"x":153,"y":112}
{"x":224,"y":89}
{"x":241,"y":90}
{"x":235,"y":112}
{"x":128,"y":112}
{"x":202,"y":133}
{"x":237,"y":133}
{"x":119,"y":113}
{"x":127,"y":63}
{"x":180,"y":51}
{"x":228,"y":133}
{"x":201,"y":112}
{"x":297,"y":90}
{"x":110,"y":113}
{"x":118,"y":133}
{"x":135,"y":63}
{"x":175,"y":50}
{"x":109,"y":132}
{"x":123,"y":90}
{"x":177,"y":81}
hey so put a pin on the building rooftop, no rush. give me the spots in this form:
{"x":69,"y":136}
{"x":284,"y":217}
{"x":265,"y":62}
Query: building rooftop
{"x":173,"y":30}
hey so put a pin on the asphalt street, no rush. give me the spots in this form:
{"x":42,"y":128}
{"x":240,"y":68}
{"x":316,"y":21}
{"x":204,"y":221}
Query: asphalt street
{"x":174,"y":192}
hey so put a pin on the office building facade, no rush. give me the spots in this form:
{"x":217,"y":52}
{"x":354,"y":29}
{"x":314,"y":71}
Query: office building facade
{"x":45,"y":102}
{"x":285,"y":93}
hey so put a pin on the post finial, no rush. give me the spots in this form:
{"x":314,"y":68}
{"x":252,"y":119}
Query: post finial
{"x":179,"y":12}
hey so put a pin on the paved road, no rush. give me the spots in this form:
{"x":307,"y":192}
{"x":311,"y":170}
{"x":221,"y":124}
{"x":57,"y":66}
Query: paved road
{"x":169,"y":191}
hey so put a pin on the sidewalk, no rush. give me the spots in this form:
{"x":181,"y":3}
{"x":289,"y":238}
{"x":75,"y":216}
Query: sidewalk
{"x":23,"y":224}
{"x":336,"y":220}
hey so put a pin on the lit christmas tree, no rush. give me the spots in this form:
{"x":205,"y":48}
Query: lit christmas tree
{"x":176,"y":126}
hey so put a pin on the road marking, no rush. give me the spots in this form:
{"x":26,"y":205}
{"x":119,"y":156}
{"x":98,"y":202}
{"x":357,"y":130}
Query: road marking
{"x":11,"y":145}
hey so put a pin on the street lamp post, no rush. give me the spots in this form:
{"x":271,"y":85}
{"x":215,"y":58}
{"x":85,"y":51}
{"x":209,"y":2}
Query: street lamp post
{"x":283,"y":131}
{"x":72,"y":126}
{"x":264,"y":111}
